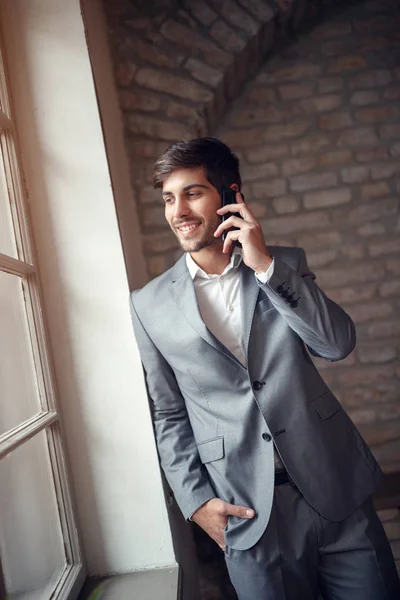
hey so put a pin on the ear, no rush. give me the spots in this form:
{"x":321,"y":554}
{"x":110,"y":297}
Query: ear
{"x":234,"y":187}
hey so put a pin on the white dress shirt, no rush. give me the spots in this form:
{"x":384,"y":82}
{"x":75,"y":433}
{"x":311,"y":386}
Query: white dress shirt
{"x":218,"y":297}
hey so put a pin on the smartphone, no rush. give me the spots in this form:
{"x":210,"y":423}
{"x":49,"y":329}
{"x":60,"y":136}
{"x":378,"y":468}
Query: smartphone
{"x":228,"y":196}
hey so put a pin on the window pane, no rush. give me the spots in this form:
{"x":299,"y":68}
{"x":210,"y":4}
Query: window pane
{"x":7,"y":238}
{"x":31,"y":545}
{"x":19,"y":398}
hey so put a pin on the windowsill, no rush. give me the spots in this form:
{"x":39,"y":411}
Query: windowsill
{"x":141,"y":585}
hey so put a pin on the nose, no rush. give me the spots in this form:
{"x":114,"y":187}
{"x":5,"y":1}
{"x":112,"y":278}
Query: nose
{"x":181,"y":207}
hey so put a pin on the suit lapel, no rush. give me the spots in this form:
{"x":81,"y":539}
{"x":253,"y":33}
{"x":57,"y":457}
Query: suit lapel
{"x":183,"y":292}
{"x":249,"y":291}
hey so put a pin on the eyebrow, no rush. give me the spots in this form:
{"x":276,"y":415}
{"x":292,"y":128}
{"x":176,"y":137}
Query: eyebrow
{"x":188,"y":187}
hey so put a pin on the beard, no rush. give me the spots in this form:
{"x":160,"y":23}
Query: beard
{"x":200,"y":241}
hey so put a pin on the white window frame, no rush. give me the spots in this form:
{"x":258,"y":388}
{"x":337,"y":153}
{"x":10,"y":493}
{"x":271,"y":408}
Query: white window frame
{"x":48,"y":419}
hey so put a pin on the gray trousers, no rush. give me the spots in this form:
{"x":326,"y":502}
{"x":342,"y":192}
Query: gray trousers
{"x":301,"y":554}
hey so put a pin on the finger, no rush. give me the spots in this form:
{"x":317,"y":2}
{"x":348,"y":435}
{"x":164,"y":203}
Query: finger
{"x":239,"y":198}
{"x":239,"y":511}
{"x":233,"y":208}
{"x":219,"y":537}
{"x":231,"y":222}
{"x":230,"y":238}
{"x":240,"y":208}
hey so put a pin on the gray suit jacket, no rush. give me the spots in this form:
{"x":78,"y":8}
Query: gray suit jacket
{"x":216,"y":421}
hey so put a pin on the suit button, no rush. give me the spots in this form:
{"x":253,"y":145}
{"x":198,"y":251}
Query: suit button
{"x":257,"y":385}
{"x":266,"y":437}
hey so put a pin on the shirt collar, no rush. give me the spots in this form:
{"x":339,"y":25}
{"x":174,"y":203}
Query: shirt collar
{"x":196,"y":271}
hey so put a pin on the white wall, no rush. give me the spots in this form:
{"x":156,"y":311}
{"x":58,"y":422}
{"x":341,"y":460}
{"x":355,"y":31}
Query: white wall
{"x":120,"y":503}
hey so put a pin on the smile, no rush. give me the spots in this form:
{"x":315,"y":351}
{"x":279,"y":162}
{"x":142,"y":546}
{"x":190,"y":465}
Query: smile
{"x":186,"y":229}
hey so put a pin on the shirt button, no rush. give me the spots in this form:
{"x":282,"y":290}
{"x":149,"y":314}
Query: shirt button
{"x":266,"y":437}
{"x":257,"y":385}
{"x":231,"y":308}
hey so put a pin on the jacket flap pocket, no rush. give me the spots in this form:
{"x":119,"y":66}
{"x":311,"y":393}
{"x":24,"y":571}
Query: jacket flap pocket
{"x":211,"y":450}
{"x":327,"y":405}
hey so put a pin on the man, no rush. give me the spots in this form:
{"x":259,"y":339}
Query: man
{"x":256,"y":448}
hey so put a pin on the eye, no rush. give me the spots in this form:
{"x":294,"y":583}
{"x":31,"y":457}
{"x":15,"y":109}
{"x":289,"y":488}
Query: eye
{"x":194,"y":194}
{"x":168,"y":200}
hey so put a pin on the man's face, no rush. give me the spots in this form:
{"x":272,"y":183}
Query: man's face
{"x":191,"y":204}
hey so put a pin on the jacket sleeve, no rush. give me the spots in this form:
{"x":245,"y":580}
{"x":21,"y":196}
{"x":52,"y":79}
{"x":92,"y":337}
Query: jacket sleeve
{"x":176,"y":444}
{"x":322,"y":324}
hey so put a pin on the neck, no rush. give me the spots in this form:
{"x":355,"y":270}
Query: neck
{"x":211,"y":260}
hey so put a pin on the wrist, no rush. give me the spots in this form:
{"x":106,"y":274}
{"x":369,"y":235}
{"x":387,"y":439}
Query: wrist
{"x":201,"y":509}
{"x":264,"y":265}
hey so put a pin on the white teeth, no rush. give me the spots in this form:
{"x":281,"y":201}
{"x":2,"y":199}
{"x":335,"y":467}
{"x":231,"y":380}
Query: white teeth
{"x":187,"y":228}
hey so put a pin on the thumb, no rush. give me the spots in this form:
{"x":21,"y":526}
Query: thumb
{"x":239,"y":511}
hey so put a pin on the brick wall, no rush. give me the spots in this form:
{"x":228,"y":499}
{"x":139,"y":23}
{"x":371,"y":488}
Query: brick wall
{"x":318,"y":134}
{"x":177,"y":66}
{"x":317,"y":130}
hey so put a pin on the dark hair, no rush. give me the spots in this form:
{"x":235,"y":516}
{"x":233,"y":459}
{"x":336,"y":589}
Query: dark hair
{"x":220,"y":164}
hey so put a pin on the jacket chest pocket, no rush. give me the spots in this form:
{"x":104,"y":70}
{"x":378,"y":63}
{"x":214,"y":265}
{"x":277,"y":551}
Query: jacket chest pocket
{"x":211,"y":450}
{"x":264,"y":305}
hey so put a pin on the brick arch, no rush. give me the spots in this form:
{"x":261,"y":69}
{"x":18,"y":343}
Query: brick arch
{"x":178,"y":65}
